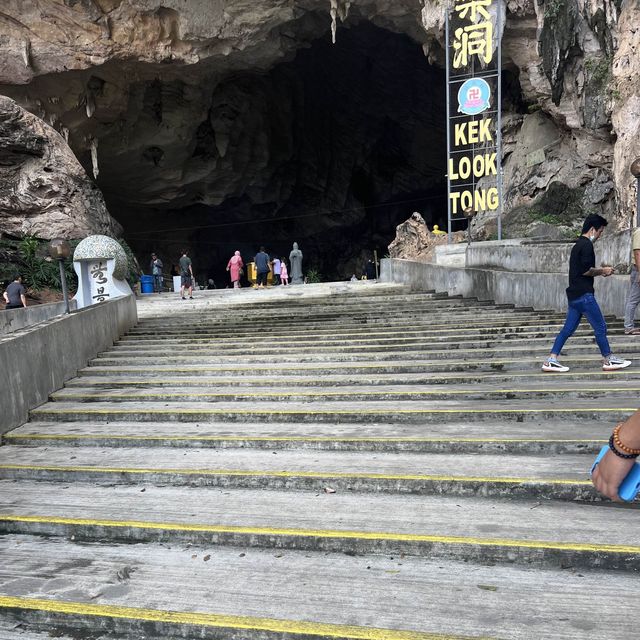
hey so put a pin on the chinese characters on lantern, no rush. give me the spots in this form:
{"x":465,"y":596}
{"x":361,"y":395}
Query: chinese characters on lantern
{"x":98,"y":279}
{"x":473,"y":85}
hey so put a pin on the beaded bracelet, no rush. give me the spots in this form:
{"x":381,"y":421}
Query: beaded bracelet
{"x":626,"y":456}
{"x":618,"y":442}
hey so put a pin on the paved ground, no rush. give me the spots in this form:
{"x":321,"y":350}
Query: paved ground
{"x":340,"y":460}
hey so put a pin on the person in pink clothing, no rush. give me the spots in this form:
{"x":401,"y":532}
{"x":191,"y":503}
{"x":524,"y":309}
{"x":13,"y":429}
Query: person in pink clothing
{"x":284,"y":274}
{"x":235,"y":269}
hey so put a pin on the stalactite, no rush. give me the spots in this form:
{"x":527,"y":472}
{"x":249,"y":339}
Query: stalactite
{"x":334,"y":15}
{"x":94,"y":157}
{"x":339,"y":10}
{"x":65,"y":134}
{"x":90,"y":104}
{"x":26,"y":53}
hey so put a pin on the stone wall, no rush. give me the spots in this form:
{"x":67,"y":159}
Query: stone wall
{"x":36,"y":361}
{"x":14,"y":319}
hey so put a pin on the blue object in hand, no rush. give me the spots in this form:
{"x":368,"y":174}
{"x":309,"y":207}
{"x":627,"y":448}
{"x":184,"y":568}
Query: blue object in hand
{"x":630,"y":486}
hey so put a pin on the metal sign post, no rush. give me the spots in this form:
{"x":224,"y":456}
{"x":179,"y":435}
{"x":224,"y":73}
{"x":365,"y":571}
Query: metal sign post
{"x":474,"y":93}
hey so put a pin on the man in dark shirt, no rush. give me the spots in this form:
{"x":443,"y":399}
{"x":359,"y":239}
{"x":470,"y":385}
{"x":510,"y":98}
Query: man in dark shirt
{"x":186,"y":275}
{"x":580,"y":295}
{"x":14,"y":295}
{"x":156,"y":270}
{"x":262,"y":261}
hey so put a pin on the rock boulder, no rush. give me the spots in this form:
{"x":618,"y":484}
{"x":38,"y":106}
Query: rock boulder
{"x":44,"y":191}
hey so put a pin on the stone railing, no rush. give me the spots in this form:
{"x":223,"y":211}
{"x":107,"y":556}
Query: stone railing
{"x":15,"y":319}
{"x":523,"y":273}
{"x":37,"y":360}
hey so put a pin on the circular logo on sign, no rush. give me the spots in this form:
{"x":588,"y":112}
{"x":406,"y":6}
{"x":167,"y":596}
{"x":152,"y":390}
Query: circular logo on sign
{"x":474,"y":96}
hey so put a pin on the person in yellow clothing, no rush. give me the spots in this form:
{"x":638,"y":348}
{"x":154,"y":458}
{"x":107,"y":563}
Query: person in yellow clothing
{"x":633,"y":294}
{"x":436,"y":231}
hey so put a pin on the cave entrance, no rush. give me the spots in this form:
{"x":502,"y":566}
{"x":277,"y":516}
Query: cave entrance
{"x":331,"y":149}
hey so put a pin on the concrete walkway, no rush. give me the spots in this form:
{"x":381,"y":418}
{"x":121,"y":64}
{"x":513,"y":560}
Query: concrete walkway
{"x":323,"y":461}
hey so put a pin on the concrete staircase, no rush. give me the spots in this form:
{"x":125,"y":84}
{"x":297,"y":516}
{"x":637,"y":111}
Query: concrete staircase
{"x":346,"y":462}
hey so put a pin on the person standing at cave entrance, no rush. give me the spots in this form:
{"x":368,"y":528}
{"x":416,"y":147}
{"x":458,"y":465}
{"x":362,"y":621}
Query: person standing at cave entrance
{"x":295,"y":260}
{"x":235,"y":269}
{"x":263,"y":266}
{"x":277,"y":269}
{"x":156,"y":270}
{"x":186,"y":275}
{"x":284,"y":272}
{"x":582,"y":302}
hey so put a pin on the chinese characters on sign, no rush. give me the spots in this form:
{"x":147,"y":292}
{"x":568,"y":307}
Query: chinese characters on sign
{"x":98,"y":279}
{"x":473,"y":85}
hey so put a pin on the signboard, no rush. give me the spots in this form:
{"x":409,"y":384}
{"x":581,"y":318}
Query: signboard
{"x":474,"y":91}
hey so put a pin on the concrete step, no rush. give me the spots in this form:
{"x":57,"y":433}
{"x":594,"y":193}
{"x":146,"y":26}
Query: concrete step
{"x":529,"y":532}
{"x":420,"y":411}
{"x":399,"y":343}
{"x":289,"y":318}
{"x":405,"y":393}
{"x":99,"y":377}
{"x":439,"y":314}
{"x":537,"y":437}
{"x":350,"y":373}
{"x":533,"y":476}
{"x":358,"y":336}
{"x":297,"y":326}
{"x":213,"y":592}
{"x":480,"y":356}
{"x":20,"y":630}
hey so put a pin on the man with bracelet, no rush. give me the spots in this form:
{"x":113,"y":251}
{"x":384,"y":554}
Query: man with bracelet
{"x":582,"y":301}
{"x":624,"y":447}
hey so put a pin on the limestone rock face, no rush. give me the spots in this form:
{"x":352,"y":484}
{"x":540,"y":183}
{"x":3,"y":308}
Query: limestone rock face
{"x":414,"y":241}
{"x":44,"y":190}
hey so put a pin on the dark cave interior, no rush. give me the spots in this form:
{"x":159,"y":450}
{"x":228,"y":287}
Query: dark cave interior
{"x":332,"y":149}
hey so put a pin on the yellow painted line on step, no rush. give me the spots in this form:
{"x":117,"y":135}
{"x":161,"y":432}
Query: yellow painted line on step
{"x":331,"y":394}
{"x":327,"y":533}
{"x":374,"y":412}
{"x":248,"y":623}
{"x":294,"y":474}
{"x":178,"y":438}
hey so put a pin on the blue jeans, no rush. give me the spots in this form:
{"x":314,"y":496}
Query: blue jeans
{"x":587,"y":306}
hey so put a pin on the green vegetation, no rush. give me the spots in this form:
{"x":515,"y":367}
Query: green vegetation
{"x":542,"y":216}
{"x":598,"y":72}
{"x":134,"y":271}
{"x":313,"y":276}
{"x":40,"y":272}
